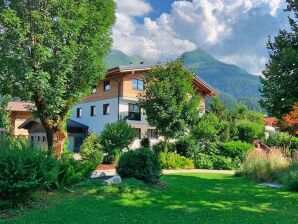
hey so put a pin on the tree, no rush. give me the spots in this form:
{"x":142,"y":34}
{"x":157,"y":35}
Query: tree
{"x":51,"y":53}
{"x":280,"y":78}
{"x":169,"y":100}
{"x":5,"y":114}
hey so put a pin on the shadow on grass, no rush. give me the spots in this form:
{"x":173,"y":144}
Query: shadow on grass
{"x":189,"y":198}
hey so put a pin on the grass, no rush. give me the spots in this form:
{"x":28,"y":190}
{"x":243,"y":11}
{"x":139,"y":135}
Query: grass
{"x":188,"y":198}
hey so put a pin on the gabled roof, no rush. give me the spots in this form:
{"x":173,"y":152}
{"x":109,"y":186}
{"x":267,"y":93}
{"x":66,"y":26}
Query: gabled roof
{"x":69,"y":124}
{"x":201,"y":84}
{"x":20,"y":106}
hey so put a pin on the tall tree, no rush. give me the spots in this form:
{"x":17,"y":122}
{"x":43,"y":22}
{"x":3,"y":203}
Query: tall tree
{"x":280,"y":81}
{"x":169,"y":100}
{"x":5,"y":114}
{"x":51,"y":53}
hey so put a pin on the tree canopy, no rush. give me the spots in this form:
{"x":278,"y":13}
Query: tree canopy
{"x":280,"y":78}
{"x":51,"y":53}
{"x":169,"y":100}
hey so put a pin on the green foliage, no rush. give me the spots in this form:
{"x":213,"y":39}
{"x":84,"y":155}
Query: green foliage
{"x":9,"y":142}
{"x":141,"y":164}
{"x":208,"y":128}
{"x":203,"y":161}
{"x":185,"y":146}
{"x":5,"y":113}
{"x":160,"y":147}
{"x":73,"y":171}
{"x":290,"y":177}
{"x":279,"y":81}
{"x":52,"y":53}
{"x":249,"y":131}
{"x":235,"y":150}
{"x":281,"y":140}
{"x":170,"y":102}
{"x":174,"y":161}
{"x":145,"y":142}
{"x":116,"y":137}
{"x":23,"y":172}
{"x":91,"y":149}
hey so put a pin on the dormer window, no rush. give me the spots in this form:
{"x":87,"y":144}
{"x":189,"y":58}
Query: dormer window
{"x":106,"y":85}
{"x":138,"y":84}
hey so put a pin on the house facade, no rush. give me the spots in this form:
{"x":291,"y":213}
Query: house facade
{"x":116,"y":98}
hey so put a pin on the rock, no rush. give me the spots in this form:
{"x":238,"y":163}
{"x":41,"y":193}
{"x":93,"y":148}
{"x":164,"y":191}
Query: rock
{"x":271,"y":185}
{"x":113,"y":180}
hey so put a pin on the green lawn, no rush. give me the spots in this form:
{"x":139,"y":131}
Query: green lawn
{"x":188,"y":198}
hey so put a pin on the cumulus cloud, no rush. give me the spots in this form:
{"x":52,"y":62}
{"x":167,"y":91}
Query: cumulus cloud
{"x":233,"y":31}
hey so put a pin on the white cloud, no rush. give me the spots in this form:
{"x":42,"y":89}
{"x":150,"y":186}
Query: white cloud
{"x":235,"y":31}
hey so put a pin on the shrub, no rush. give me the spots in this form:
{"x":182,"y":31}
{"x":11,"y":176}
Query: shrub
{"x":141,"y":164}
{"x":203,"y":161}
{"x":23,"y":172}
{"x":185,"y":146}
{"x":249,"y":131}
{"x":91,"y":150}
{"x":160,"y":147}
{"x":223,"y":163}
{"x":174,"y":161}
{"x":290,"y":177}
{"x":73,"y":171}
{"x":261,"y":166}
{"x":115,"y":137}
{"x":235,"y":150}
{"x":145,"y":142}
{"x":281,"y":140}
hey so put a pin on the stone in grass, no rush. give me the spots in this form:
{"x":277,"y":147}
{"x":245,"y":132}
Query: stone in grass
{"x":113,"y":180}
{"x":271,"y":185}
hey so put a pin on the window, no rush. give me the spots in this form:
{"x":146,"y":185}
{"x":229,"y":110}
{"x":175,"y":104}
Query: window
{"x":92,"y":111}
{"x":44,"y":139}
{"x":94,"y":90}
{"x":106,"y":85}
{"x":38,"y":138}
{"x":138,"y":84}
{"x":134,"y":112}
{"x":138,"y":130}
{"x":152,"y":133}
{"x":106,"y":109}
{"x":79,"y":112}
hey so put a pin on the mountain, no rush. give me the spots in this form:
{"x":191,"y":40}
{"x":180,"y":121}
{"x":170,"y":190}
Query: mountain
{"x":116,"y":57}
{"x":227,"y":78}
{"x":235,"y":84}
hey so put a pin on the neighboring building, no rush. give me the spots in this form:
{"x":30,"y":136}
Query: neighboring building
{"x":77,"y":132}
{"x":116,"y":98}
{"x":19,"y":113}
{"x":270,"y":126}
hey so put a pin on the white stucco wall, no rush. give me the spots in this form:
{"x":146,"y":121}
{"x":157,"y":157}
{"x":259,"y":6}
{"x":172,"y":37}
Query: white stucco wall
{"x":96,"y":123}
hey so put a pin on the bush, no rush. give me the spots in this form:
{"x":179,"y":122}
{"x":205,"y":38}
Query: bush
{"x":249,"y":131}
{"x":175,"y":161}
{"x":185,"y":146}
{"x":73,"y":171}
{"x":290,"y":177}
{"x":203,"y":161}
{"x":160,"y":147}
{"x":281,"y":140}
{"x":145,"y":142}
{"x":23,"y":172}
{"x":224,"y":163}
{"x":91,"y":150}
{"x":141,"y":164}
{"x":261,"y":166}
{"x":116,"y":137}
{"x":235,"y":150}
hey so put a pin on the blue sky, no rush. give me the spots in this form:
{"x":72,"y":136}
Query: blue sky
{"x":233,"y":31}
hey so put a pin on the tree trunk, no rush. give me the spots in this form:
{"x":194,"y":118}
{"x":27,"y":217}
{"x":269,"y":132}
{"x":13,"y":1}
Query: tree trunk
{"x":56,"y":137}
{"x":56,"y":141}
